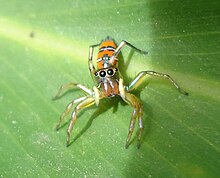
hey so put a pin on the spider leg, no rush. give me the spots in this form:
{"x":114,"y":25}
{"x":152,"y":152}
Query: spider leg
{"x":137,"y":113}
{"x":138,"y":80}
{"x":133,"y":101}
{"x":70,"y":86}
{"x":67,"y":110}
{"x":140,"y":123}
{"x":123,"y":43}
{"x":91,"y":66}
{"x":84,"y":104}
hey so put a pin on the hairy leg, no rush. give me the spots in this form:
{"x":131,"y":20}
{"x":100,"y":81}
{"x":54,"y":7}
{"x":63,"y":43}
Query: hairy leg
{"x":68,"y":108}
{"x":71,"y":86}
{"x":138,"y":80}
{"x":84,"y":104}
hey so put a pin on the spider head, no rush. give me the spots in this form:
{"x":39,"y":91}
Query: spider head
{"x":107,"y":73}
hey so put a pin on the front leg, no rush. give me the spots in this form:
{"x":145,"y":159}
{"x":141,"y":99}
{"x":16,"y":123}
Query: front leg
{"x":133,"y":101}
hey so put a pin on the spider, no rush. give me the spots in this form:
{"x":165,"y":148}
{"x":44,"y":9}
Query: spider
{"x":109,"y":84}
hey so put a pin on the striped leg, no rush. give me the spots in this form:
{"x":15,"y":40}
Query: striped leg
{"x":84,"y":104}
{"x":71,"y":86}
{"x":67,"y":110}
{"x":140,"y":123}
{"x":133,"y":101}
{"x":137,"y":113}
{"x":138,"y":79}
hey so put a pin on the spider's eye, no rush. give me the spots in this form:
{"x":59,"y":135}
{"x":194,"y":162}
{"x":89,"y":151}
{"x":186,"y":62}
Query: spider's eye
{"x":96,"y":74}
{"x":110,"y":71}
{"x":116,"y":69}
{"x":102,"y":73}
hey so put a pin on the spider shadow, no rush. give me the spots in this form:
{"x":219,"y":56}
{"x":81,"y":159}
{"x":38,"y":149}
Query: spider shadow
{"x":113,"y":104}
{"x":123,"y":64}
{"x":104,"y":106}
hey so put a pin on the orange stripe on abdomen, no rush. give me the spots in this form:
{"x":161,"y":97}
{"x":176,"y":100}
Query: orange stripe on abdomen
{"x":106,"y":50}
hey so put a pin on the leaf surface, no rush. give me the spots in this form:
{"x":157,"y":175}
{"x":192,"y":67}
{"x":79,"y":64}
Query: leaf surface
{"x":44,"y":44}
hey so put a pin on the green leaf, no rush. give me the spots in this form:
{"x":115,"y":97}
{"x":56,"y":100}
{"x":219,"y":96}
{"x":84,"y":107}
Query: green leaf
{"x":44,"y":44}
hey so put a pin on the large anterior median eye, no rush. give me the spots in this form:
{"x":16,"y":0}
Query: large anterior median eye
{"x":110,"y":72}
{"x":102,"y":73}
